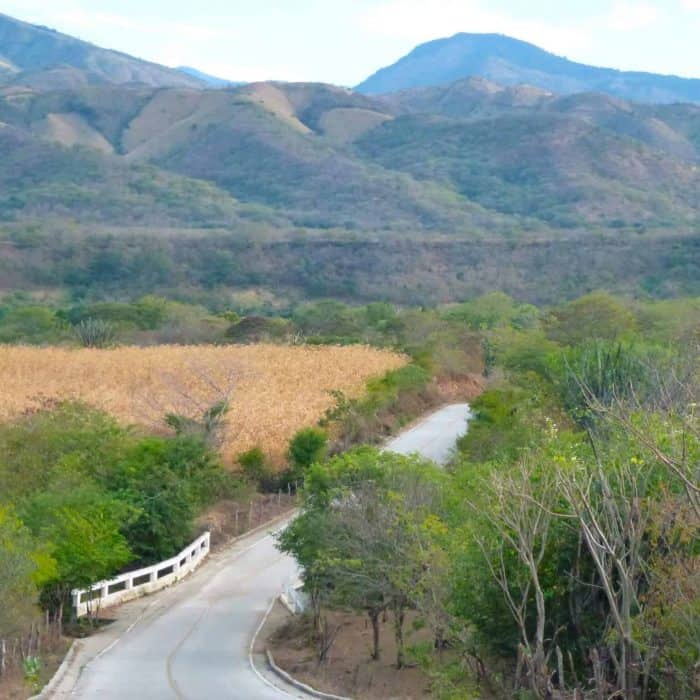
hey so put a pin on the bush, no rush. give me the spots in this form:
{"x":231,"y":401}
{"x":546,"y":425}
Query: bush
{"x":307,"y":447}
{"x":254,"y":464}
{"x":31,"y":325}
{"x":259,"y":471}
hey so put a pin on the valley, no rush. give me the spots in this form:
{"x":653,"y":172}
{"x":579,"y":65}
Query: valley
{"x":439,"y":332}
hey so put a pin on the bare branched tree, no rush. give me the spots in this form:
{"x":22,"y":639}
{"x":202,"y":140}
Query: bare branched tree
{"x":608,"y":507}
{"x":196,"y":402}
{"x":520,"y":518}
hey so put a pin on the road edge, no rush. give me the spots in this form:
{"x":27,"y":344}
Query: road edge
{"x":289,"y":678}
{"x":283,"y":675}
{"x":60,"y":673}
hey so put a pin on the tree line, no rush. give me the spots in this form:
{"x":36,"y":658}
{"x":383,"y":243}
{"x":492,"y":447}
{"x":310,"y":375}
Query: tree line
{"x":557,"y":556}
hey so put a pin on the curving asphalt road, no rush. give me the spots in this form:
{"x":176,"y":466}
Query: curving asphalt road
{"x":435,"y":436}
{"x":193,"y":641}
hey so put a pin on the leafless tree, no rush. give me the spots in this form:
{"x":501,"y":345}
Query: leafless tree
{"x":607,"y":504}
{"x":520,"y":515}
{"x":196,"y":401}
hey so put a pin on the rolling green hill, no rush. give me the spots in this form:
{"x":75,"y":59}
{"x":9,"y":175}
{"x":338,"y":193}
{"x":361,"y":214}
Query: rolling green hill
{"x":561,"y":170}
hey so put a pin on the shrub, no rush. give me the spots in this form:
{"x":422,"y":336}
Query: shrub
{"x":307,"y":447}
{"x":258,"y":470}
{"x":31,"y":325}
{"x":254,"y":464}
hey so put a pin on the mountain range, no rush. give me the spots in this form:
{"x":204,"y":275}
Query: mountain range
{"x":467,"y":158}
{"x":94,"y":140}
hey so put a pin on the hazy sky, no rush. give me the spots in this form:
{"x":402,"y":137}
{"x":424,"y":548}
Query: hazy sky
{"x":343,"y":41}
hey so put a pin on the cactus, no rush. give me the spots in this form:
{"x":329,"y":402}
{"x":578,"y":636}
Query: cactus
{"x":95,"y":333}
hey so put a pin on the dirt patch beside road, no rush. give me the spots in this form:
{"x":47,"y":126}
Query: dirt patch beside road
{"x":349,"y":670}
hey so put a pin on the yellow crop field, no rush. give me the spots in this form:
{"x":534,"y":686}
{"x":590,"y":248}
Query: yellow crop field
{"x":272,"y":390}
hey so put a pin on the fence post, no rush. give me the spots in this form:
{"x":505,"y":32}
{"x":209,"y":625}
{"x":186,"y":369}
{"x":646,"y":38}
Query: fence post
{"x":250,"y":516}
{"x":236,"y":531}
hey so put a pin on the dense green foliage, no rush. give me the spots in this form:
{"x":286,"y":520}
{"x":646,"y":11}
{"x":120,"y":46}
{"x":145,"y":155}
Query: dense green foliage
{"x":307,"y":447}
{"x":81,"y":497}
{"x":260,"y":272}
{"x":560,"y":549}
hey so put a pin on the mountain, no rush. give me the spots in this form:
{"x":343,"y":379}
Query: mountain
{"x":298,"y":190}
{"x":471,"y":158}
{"x":44,"y":59}
{"x":512,"y":62}
{"x":209,"y":80}
{"x":278,"y":146}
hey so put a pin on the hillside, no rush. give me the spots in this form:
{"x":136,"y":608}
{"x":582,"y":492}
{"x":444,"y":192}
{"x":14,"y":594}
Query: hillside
{"x":466,"y":159}
{"x":307,"y":189}
{"x":41,"y":180}
{"x":45,"y":59}
{"x":513,"y":62}
{"x":560,"y":169}
{"x":278,"y":146}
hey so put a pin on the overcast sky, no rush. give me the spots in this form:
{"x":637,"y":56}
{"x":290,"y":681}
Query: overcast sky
{"x":343,"y":41}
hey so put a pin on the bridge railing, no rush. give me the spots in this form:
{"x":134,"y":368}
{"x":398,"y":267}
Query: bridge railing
{"x":134,"y":584}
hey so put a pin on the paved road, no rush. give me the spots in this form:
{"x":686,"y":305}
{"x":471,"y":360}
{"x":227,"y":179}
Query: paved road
{"x":435,"y":436}
{"x":191,"y":642}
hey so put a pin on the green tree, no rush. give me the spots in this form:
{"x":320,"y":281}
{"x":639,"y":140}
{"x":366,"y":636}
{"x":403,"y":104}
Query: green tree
{"x":23,"y":566}
{"x":361,"y":536}
{"x":82,"y":527}
{"x":595,"y":316}
{"x":307,"y":447}
{"x":166,"y":482}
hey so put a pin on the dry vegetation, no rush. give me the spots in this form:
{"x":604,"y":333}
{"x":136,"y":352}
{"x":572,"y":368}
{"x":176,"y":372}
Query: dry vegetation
{"x":273,"y":390}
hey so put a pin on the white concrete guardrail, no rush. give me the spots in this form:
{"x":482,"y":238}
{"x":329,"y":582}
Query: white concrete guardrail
{"x":135,"y":584}
{"x":294,"y":598}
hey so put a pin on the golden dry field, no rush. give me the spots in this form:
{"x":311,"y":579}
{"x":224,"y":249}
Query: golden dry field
{"x":272,"y":390}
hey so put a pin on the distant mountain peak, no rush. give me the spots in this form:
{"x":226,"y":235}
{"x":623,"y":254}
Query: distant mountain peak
{"x":503,"y":59}
{"x":43,"y":58}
